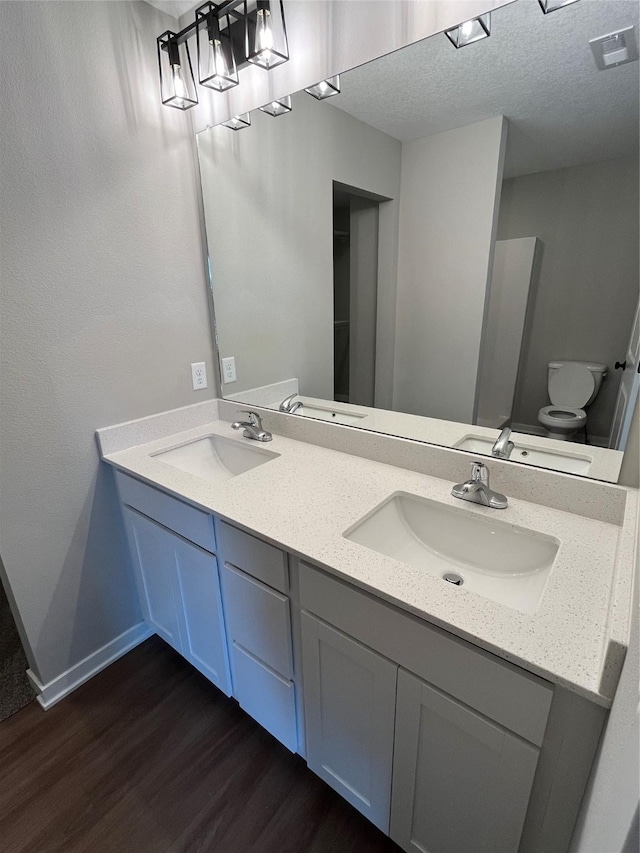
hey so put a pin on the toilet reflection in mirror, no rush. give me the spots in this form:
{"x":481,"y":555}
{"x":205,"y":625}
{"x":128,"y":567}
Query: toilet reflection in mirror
{"x":573,"y":385}
{"x":431,"y":260}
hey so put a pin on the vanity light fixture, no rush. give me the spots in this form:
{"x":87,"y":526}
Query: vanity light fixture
{"x":325,"y":88}
{"x":229,"y":35}
{"x":238,"y":122}
{"x":216,"y":60}
{"x":470,"y":31}
{"x":278,"y":108}
{"x":177,"y":86}
{"x":553,"y":5}
{"x":266,"y":42}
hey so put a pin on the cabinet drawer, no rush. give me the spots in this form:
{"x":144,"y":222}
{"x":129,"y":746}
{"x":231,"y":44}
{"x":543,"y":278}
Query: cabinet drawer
{"x":516,"y":699}
{"x":255,"y":557}
{"x":194,"y":524}
{"x":258,"y":620}
{"x":265,"y":696}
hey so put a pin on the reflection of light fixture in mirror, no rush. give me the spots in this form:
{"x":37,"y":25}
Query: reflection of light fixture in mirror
{"x":238,"y":122}
{"x":552,"y":5}
{"x":216,"y":62}
{"x":278,"y":108}
{"x":325,"y":88}
{"x":266,"y":34}
{"x":470,"y":31}
{"x":177,"y":86}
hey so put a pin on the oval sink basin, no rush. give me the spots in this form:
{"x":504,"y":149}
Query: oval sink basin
{"x":215,"y":458}
{"x":500,"y":561}
{"x":570,"y":463}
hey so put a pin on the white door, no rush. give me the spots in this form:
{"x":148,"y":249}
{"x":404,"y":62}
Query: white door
{"x":349,"y":696}
{"x":200,"y":611}
{"x":628,"y":393}
{"x":153,"y":556}
{"x":461,"y":783}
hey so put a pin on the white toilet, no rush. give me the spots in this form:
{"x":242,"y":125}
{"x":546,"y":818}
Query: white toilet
{"x":572,"y":386}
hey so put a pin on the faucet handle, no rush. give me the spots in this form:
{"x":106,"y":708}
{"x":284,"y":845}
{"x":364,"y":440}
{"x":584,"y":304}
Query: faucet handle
{"x":479,"y":473}
{"x":254,"y":418}
{"x":285,"y":405}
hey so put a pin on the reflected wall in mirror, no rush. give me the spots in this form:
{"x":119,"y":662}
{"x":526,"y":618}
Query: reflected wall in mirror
{"x":447,"y":247}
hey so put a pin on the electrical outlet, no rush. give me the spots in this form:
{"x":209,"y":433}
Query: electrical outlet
{"x":228,"y":370}
{"x":198,"y":375}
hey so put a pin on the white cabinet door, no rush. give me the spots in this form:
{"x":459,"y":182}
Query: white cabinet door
{"x":180,"y":595}
{"x":202,"y":621}
{"x":152,"y":553}
{"x":460,"y":782}
{"x":349,"y":700}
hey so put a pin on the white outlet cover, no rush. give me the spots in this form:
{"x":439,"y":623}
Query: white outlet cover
{"x":198,"y":375}
{"x":228,"y":370}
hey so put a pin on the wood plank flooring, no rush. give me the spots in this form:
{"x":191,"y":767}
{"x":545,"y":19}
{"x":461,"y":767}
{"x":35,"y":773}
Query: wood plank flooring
{"x":148,"y":757}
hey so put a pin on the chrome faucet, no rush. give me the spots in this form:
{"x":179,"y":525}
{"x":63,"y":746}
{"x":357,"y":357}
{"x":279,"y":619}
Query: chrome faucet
{"x":288,"y":406}
{"x":503,"y":447}
{"x":253,"y":427}
{"x":477,"y":490}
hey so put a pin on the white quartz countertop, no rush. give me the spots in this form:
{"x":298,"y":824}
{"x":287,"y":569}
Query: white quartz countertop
{"x":306,"y":498}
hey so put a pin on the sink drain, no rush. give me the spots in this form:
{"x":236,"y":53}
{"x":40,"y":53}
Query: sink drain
{"x":452,"y":577}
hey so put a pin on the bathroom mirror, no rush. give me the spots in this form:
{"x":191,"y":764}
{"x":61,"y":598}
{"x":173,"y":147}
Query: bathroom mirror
{"x":421,"y":254}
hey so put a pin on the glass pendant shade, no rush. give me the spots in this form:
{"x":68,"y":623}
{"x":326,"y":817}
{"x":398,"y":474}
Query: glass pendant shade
{"x":278,"y":108}
{"x":238,"y":122}
{"x":470,"y":31}
{"x":325,"y":88}
{"x":552,"y":5}
{"x":216,"y":60}
{"x":177,"y":85}
{"x":266,"y":34}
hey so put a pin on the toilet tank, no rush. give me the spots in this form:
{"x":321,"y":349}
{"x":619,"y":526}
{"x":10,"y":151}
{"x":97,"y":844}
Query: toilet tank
{"x":598,"y":370}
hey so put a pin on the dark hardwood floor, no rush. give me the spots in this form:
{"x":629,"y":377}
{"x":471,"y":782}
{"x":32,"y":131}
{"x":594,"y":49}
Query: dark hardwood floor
{"x":149,"y":757}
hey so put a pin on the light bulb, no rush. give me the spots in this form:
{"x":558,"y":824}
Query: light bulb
{"x":178,"y":85}
{"x":264,"y":35}
{"x":467,"y":28}
{"x":219,"y":64}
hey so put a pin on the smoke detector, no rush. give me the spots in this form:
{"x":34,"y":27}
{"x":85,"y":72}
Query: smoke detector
{"x":615,"y":48}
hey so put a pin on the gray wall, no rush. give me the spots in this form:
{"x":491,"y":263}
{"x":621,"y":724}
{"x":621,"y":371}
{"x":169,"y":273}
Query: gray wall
{"x":268,"y":199}
{"x":103,"y":302}
{"x":587,"y":220}
{"x":448,"y":209}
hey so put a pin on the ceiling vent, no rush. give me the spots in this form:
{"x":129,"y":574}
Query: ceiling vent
{"x":615,"y":48}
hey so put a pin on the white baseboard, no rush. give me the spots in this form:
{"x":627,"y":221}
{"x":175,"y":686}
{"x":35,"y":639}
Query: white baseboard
{"x":51,"y":693}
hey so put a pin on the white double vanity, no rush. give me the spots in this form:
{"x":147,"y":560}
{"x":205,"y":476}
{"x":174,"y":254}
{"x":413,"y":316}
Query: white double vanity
{"x":306,"y":578}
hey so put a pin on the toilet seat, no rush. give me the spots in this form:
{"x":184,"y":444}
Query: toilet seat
{"x":564,"y":417}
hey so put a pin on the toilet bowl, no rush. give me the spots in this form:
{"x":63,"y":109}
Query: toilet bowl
{"x":562,"y":422}
{"x":572,"y":386}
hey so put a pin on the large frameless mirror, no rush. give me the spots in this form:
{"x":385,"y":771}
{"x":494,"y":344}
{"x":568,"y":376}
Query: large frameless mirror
{"x":447,"y":247}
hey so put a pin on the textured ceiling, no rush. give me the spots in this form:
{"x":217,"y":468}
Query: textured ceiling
{"x":537,"y":70}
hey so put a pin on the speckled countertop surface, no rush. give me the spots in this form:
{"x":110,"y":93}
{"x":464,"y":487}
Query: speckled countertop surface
{"x":305,"y":498}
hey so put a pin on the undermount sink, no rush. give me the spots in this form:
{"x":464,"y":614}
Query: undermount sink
{"x":569,"y":462}
{"x":215,"y":458}
{"x":337,"y":416}
{"x":497,"y":560}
